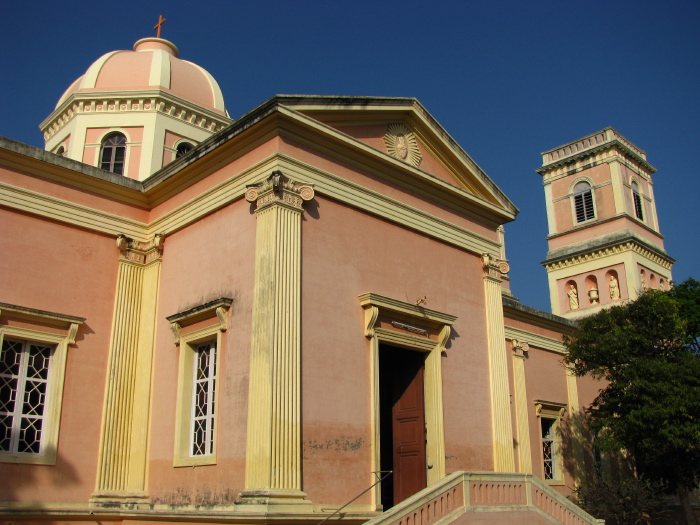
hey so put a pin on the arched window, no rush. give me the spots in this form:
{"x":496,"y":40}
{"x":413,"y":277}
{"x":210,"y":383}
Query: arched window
{"x":113,"y":153}
{"x":183,"y":149}
{"x":61,"y":151}
{"x":583,"y":202}
{"x":638,"y":207}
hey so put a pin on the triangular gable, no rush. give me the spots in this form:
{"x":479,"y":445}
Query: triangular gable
{"x":382,"y":122}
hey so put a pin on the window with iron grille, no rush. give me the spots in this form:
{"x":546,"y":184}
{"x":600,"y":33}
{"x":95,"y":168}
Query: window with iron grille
{"x":24,"y":381}
{"x":638,"y":207}
{"x":583,"y":202}
{"x":548,"y":448}
{"x":203,"y":399}
{"x":113,"y":153}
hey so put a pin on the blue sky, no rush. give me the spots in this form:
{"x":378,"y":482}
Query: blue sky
{"x":507,"y":79}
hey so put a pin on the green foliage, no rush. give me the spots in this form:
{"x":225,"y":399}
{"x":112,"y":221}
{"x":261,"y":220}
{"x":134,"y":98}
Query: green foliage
{"x":630,"y":501}
{"x":646,"y":353}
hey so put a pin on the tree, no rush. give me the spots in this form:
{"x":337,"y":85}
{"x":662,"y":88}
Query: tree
{"x":646,"y":352}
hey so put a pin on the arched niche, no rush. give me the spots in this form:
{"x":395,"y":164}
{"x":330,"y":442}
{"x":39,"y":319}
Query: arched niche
{"x":592,"y":290}
{"x":613,"y":282}
{"x":571,"y":290}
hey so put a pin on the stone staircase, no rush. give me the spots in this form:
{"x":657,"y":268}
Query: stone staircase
{"x":466,"y":498}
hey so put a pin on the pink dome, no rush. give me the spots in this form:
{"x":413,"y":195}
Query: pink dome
{"x":153,"y":64}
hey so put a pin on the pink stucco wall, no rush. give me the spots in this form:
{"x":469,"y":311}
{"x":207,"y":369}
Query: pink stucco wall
{"x":66,"y":270}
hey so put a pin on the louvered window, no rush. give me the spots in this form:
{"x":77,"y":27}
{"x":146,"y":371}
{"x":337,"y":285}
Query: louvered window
{"x":24,"y":379}
{"x":583,"y":202}
{"x":638,"y":207}
{"x":113,"y":153}
{"x":203,"y":392}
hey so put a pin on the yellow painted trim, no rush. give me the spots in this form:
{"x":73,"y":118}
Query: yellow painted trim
{"x":540,"y":341}
{"x":65,"y":211}
{"x":233,"y":189}
{"x":520,"y":405}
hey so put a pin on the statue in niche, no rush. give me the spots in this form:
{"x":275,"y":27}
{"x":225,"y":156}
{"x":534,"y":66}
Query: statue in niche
{"x":573,"y":297}
{"x":614,"y":289}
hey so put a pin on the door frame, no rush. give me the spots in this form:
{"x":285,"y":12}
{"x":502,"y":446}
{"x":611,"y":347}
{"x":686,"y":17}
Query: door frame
{"x":412,"y":327}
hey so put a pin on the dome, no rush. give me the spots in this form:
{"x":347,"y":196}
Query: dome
{"x":153,"y":64}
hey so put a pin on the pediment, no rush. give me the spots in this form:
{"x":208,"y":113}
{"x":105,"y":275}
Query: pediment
{"x":402,"y":129}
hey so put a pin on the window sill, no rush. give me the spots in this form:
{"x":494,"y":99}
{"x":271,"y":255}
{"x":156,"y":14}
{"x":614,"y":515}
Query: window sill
{"x":194,"y":461}
{"x":31,"y":459}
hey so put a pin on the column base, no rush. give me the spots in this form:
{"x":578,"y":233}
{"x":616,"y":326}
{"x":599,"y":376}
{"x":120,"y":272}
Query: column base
{"x":275,"y":500}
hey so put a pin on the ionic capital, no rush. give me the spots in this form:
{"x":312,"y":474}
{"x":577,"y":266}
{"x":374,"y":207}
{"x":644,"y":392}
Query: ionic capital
{"x":279,"y":189}
{"x":495,"y":268}
{"x":520,"y":347}
{"x":140,"y":252}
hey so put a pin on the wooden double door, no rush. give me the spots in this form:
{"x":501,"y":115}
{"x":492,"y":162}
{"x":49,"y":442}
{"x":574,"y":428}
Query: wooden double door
{"x":402,"y":423}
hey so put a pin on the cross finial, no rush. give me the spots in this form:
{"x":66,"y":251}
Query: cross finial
{"x":160,"y":23}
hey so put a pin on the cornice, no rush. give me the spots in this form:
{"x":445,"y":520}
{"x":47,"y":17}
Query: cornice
{"x":532,"y":339}
{"x":605,"y":246}
{"x":520,"y":312}
{"x":619,"y":216}
{"x":614,"y":143}
{"x":146,"y":101}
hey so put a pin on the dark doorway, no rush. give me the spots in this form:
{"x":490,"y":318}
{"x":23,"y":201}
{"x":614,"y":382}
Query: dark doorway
{"x":402,"y":423}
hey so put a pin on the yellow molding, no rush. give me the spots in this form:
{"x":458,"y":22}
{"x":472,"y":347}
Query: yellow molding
{"x":393,"y":210}
{"x":61,"y":210}
{"x":540,"y":341}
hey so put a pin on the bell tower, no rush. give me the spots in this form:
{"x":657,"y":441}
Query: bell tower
{"x":605,"y":245}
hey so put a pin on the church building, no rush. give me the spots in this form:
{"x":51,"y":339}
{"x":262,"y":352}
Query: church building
{"x":301,"y":315}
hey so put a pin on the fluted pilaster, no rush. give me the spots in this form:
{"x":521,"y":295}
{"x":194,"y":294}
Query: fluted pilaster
{"x":503,"y":458}
{"x":521,"y":408}
{"x":273,"y":457}
{"x":121,"y":471}
{"x":576,"y":426}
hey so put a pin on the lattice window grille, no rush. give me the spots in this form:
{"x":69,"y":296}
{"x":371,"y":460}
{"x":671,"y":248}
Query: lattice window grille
{"x":203,"y":399}
{"x":24,"y":378}
{"x":548,"y":450}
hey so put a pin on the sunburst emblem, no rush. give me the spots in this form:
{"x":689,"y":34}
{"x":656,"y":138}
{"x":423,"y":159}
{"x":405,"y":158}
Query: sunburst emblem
{"x":401,"y":143}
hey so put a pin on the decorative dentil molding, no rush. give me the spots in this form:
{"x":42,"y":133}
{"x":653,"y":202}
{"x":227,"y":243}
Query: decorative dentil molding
{"x":279,"y":189}
{"x":140,"y":252}
{"x":607,"y":251}
{"x":140,"y":102}
{"x":401,"y":143}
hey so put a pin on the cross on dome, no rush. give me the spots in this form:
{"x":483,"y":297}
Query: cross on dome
{"x":157,"y":26}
